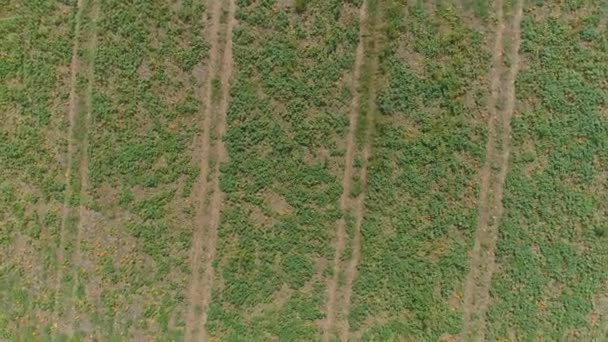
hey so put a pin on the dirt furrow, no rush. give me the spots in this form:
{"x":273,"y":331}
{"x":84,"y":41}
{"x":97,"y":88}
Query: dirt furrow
{"x":351,"y":270}
{"x":359,"y":205}
{"x":207,"y":215}
{"x":91,"y":47}
{"x":221,"y":155}
{"x":65,"y":212}
{"x":483,"y":264}
{"x":332,"y":287}
{"x":506,"y":138}
{"x":198,"y":237}
{"x":482,"y":233}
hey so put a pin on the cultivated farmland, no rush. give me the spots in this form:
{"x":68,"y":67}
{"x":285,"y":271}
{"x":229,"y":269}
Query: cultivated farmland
{"x":552,"y":251}
{"x":36,"y":49}
{"x":304,"y":170}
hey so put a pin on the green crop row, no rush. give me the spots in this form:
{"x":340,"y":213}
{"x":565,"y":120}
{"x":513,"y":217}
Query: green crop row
{"x":424,"y":94}
{"x":287,"y":120}
{"x":426,"y":152}
{"x":552,"y":249}
{"x":35,"y":52}
{"x":128,"y":275}
{"x":142,"y":166}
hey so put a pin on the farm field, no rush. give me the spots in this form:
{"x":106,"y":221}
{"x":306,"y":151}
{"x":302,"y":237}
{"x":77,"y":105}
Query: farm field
{"x":304,"y":170}
{"x":552,"y":282}
{"x":36,"y":53}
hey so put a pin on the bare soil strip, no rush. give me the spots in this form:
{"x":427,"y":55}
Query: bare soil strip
{"x":91,"y":46}
{"x":73,"y":111}
{"x":483,"y":263}
{"x":482,"y":234}
{"x":332,"y":286}
{"x":359,"y":205}
{"x":194,"y":295}
{"x":599,"y":316}
{"x":207,"y":215}
{"x":351,"y":271}
{"x":221,"y":154}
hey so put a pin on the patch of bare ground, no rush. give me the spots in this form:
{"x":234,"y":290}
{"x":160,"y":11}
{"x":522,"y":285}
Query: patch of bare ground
{"x":73,"y":110}
{"x":198,"y":238}
{"x":483,"y":264}
{"x":90,"y":46}
{"x":359,"y":201}
{"x":334,"y":304}
{"x":209,"y":196}
{"x":598,"y":319}
{"x":351,"y":270}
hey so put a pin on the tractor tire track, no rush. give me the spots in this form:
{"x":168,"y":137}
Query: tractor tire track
{"x":351,"y":271}
{"x":199,"y":224}
{"x":73,"y":110}
{"x":221,"y":156}
{"x":482,"y":234}
{"x":483,"y":259}
{"x":359,"y":205}
{"x":332,"y":286}
{"x":207,"y":216}
{"x":89,"y":72}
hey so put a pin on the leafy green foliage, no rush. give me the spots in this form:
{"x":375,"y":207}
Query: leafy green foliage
{"x":35,"y":48}
{"x":553,"y":261}
{"x":301,"y":6}
{"x":287,"y":121}
{"x":288,"y":107}
{"x":142,"y":170}
{"x":420,"y":210}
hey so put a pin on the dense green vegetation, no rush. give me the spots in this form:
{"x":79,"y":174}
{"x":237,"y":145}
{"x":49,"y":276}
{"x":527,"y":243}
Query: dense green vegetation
{"x":35,"y":50}
{"x":142,"y":168}
{"x":125,"y":276}
{"x":127,"y":188}
{"x":427,"y":146}
{"x":552,"y":247}
{"x":286,"y":124}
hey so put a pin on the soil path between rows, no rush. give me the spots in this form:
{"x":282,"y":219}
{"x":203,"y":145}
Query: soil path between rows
{"x":351,"y":144}
{"x":73,"y":110}
{"x":90,"y":45}
{"x":483,"y":259}
{"x":208,"y":209}
{"x":221,"y":156}
{"x":359,"y":203}
{"x":351,"y":270}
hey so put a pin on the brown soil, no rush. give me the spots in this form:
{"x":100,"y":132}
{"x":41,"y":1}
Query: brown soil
{"x":208,"y":215}
{"x":351,"y":270}
{"x":599,"y":316}
{"x":73,"y":110}
{"x":332,"y":287}
{"x":482,"y":233}
{"x":221,"y":154}
{"x":483,"y":263}
{"x":199,"y":232}
{"x":359,"y":205}
{"x":83,"y":168}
